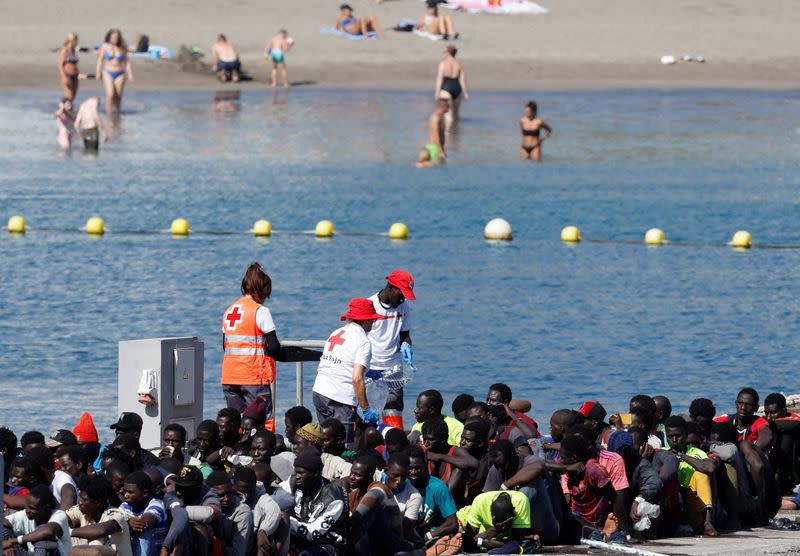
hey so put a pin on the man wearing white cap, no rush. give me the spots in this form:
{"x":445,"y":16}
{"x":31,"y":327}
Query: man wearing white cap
{"x":391,"y":337}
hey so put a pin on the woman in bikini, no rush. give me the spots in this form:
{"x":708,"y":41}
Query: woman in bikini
{"x":451,"y":84}
{"x":531,"y":128}
{"x":114,"y":68}
{"x":349,"y":23}
{"x":68,"y":66}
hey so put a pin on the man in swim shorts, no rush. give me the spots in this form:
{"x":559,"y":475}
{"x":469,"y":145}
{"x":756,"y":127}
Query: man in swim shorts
{"x":89,"y":124}
{"x":276,"y":51}
{"x":225,"y":59}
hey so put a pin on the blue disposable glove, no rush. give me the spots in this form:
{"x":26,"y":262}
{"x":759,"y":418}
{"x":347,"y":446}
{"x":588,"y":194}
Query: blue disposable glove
{"x":374,"y":375}
{"x":407,"y":352}
{"x":371,"y":416}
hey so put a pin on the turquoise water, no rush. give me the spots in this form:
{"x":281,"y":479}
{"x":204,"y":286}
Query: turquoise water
{"x":559,"y":323}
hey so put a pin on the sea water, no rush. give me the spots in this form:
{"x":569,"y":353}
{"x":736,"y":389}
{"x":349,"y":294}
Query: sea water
{"x":559,"y":323}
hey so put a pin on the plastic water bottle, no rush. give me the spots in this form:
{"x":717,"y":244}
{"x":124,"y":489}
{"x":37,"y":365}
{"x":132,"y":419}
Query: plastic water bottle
{"x":377,"y":393}
{"x":536,"y":447}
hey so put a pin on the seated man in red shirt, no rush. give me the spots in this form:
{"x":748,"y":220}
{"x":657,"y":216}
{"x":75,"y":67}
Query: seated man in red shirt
{"x":786,"y":427}
{"x":451,"y":464}
{"x":755,"y":440}
{"x":500,"y":394}
{"x":751,"y":427}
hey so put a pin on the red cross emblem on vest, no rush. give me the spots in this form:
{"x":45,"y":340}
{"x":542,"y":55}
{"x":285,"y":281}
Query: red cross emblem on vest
{"x":233,"y":317}
{"x":337,"y":340}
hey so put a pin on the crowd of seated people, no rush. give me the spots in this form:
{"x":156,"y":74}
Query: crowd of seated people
{"x":484,"y":479}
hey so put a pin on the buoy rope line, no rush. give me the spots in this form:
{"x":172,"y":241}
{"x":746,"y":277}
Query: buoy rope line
{"x":221,"y":233}
{"x":167,"y":231}
{"x":693,"y":243}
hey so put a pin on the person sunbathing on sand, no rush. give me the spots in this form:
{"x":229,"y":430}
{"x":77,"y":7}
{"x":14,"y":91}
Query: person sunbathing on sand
{"x":349,"y":23}
{"x":433,"y":153}
{"x":436,"y":24}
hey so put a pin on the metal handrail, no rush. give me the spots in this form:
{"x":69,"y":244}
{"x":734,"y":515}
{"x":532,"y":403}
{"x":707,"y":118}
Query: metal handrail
{"x":310,"y":344}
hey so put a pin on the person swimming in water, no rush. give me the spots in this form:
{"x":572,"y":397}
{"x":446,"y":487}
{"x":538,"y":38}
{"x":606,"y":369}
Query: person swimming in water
{"x":531,"y":128}
{"x":451,"y":84}
{"x":433,"y":153}
{"x":89,"y":124}
{"x":276,"y":51}
{"x":353,"y":25}
{"x":66,"y":118}
{"x":113,"y":68}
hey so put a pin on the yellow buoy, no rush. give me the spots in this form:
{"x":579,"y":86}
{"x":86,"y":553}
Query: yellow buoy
{"x":325,"y":228}
{"x":16,"y":225}
{"x":571,"y":234}
{"x":398,"y":230}
{"x":262,"y":228}
{"x":742,"y":239}
{"x":654,"y":236}
{"x":498,"y":229}
{"x":95,"y":226}
{"x":180,"y":227}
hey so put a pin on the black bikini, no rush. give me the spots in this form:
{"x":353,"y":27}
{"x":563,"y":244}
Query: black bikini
{"x":530,"y":133}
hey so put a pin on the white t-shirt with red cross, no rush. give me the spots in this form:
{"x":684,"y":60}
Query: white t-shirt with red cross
{"x":385,"y":334}
{"x":263,"y":320}
{"x":347,"y":347}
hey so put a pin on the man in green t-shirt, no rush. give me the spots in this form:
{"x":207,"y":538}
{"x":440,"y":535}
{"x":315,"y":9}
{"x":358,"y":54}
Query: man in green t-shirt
{"x":429,"y":405}
{"x":694,"y":471}
{"x":499,"y":520}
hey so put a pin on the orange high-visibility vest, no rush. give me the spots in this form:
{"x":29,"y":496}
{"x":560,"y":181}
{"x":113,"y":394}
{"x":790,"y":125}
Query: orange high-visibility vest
{"x":245,"y":362}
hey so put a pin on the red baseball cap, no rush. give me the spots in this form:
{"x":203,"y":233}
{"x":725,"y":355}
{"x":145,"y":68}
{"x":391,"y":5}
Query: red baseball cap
{"x":404,"y":281}
{"x":593,"y":410}
{"x":361,"y":309}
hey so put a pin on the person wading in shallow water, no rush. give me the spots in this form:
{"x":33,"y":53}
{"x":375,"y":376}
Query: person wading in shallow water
{"x":250,"y":345}
{"x":433,"y":152}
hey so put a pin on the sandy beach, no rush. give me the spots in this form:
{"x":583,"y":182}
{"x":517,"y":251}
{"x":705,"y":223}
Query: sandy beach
{"x":578,"y":44}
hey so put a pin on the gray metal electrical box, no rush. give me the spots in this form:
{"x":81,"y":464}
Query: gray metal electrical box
{"x":173,"y":371}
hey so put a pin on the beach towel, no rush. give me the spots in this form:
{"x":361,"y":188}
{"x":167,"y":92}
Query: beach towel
{"x":336,"y":33}
{"x":426,"y":35}
{"x":155,"y":52}
{"x":506,"y":7}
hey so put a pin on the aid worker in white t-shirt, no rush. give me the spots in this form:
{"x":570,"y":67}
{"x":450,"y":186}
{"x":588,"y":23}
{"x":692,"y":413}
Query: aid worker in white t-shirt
{"x":391,"y":338}
{"x":339,"y":387}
